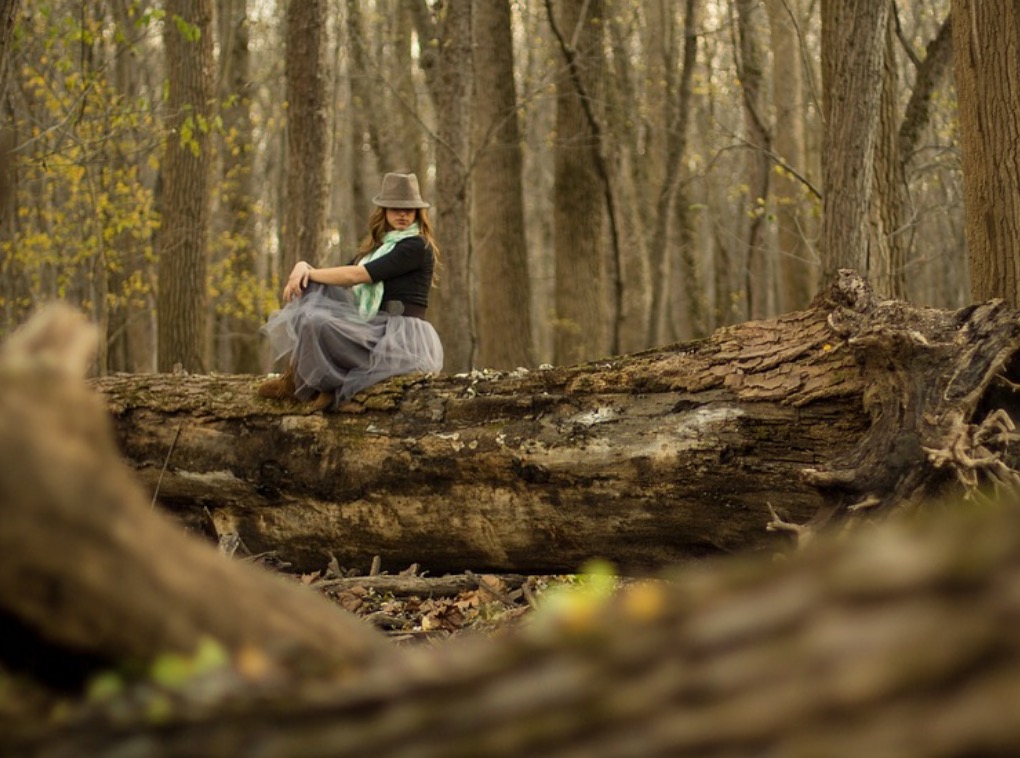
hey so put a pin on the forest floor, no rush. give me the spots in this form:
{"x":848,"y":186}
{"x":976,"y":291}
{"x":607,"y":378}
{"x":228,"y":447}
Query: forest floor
{"x":492,"y":605}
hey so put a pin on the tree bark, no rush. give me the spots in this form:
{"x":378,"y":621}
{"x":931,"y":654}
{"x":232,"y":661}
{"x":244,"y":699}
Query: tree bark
{"x":309,"y":136}
{"x":796,"y":275}
{"x":757,"y":257}
{"x":8,"y":12}
{"x":989,"y":98}
{"x":183,"y":237}
{"x":853,"y":50}
{"x":579,"y":198}
{"x":498,"y":237}
{"x":448,"y":66}
{"x":887,"y":240}
{"x":646,"y":460}
{"x":239,"y":313}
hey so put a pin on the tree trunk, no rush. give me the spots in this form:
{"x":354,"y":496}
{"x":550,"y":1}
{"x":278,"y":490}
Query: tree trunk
{"x":627,"y":153}
{"x":131,"y":325}
{"x":853,"y":48}
{"x":182,"y":300}
{"x":239,"y":313}
{"x":579,"y":202}
{"x":674,"y":274}
{"x":364,"y":130}
{"x":984,"y":34}
{"x":449,"y":73}
{"x":796,"y":275}
{"x":690,"y":309}
{"x":8,"y":12}
{"x":889,"y":190}
{"x":758,"y":290}
{"x":646,"y":460}
{"x":930,"y":74}
{"x":497,"y":209}
{"x":309,"y":134}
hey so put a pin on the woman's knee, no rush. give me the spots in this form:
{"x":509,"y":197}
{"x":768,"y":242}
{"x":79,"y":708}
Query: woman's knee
{"x":311,"y":323}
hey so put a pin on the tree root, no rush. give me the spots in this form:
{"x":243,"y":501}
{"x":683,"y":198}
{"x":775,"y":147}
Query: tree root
{"x":976,"y":453}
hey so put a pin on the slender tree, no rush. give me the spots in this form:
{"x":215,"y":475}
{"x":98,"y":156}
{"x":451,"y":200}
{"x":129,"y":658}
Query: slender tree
{"x":626,"y":183}
{"x":131,"y":318}
{"x":239,"y":312}
{"x":183,"y":297}
{"x":497,"y":207}
{"x":8,"y":208}
{"x":675,"y":274}
{"x":369,"y":150}
{"x":796,"y":269}
{"x":930,"y":73}
{"x":888,"y":192}
{"x":448,"y":67}
{"x":986,"y":37}
{"x":8,"y":11}
{"x":579,"y":203}
{"x":309,"y":133}
{"x":538,"y":122}
{"x":853,"y":51}
{"x":758,"y":287}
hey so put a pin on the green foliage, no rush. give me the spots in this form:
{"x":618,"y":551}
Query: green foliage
{"x":572,"y":605}
{"x":154,"y":693}
{"x":104,"y":686}
{"x":86,"y":214}
{"x":87,"y":221}
{"x":190,"y":32}
{"x":236,"y":291}
{"x":174,"y":670}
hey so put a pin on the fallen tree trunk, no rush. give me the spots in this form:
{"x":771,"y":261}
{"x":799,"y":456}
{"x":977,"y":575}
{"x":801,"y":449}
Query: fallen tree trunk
{"x":646,"y":460}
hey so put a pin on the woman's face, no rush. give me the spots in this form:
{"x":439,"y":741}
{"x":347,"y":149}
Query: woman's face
{"x":400,"y":218}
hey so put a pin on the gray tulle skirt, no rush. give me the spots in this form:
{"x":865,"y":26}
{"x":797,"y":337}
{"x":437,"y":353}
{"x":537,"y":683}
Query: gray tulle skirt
{"x":333,"y":349}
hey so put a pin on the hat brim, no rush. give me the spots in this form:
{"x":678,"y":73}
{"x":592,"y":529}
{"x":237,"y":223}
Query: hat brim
{"x":399,"y":204}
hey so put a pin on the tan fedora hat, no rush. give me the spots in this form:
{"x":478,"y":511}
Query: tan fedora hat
{"x":400,"y":191}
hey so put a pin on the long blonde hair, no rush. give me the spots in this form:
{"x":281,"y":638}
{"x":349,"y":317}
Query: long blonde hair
{"x":377,"y":228}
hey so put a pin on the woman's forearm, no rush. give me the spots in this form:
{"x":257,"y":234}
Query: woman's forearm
{"x":342,"y":276}
{"x":303,"y":273}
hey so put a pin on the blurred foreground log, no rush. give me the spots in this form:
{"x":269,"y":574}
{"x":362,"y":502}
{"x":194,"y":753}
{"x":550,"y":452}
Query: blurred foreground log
{"x":851,"y":406}
{"x":87,"y":566}
{"x":898,"y":642}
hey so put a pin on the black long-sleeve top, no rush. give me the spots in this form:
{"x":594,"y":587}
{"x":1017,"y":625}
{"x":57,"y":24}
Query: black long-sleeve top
{"x":406,"y":271}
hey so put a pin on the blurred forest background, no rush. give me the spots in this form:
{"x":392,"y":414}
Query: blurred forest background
{"x":606,"y":175}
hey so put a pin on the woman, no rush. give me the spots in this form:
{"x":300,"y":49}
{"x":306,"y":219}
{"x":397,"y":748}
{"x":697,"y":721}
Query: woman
{"x":347,"y":327}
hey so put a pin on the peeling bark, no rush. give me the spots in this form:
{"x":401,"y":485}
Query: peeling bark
{"x":646,"y":460}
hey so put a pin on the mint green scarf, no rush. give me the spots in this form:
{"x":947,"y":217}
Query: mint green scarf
{"x":369,"y":296}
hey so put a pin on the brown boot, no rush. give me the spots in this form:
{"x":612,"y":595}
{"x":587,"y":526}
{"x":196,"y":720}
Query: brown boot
{"x":323,"y":401}
{"x":280,"y":388}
